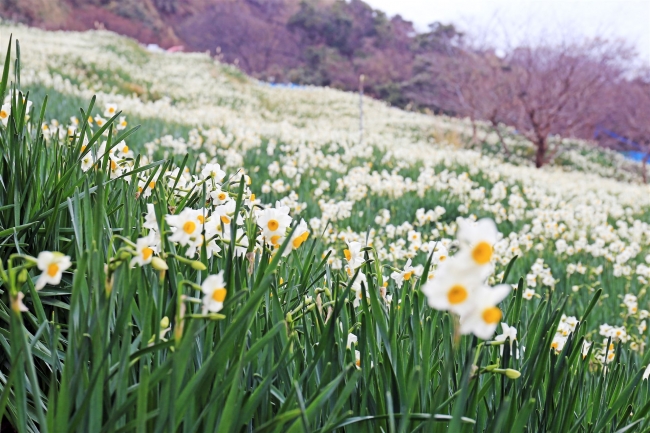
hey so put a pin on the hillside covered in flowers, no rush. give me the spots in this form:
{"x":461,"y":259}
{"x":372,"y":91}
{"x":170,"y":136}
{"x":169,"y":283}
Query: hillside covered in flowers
{"x":265,"y":258}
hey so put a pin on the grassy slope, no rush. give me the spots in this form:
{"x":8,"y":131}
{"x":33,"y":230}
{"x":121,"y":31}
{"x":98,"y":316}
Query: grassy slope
{"x":176,"y":93}
{"x":179,"y":92}
{"x":316,"y":131}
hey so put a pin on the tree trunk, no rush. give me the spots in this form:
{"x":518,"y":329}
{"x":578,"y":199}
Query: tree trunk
{"x":541,"y":152}
{"x":495,"y":127}
{"x":474,"y":133}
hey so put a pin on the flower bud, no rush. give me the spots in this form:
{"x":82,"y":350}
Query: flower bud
{"x":512,"y":374}
{"x":199,"y":266}
{"x":22,"y":276}
{"x":159,"y":264}
{"x":164,"y":323}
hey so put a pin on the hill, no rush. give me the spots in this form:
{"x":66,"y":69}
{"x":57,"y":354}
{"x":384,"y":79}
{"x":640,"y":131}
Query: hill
{"x":326,"y":43}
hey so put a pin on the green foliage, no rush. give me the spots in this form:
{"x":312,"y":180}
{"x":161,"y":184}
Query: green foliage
{"x":439,"y":38}
{"x":166,"y":6}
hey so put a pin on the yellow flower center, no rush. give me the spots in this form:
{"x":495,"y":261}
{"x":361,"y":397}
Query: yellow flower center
{"x":457,"y":294}
{"x":443,"y":258}
{"x":83,"y":148}
{"x":300,"y":239}
{"x":52,"y":270}
{"x":111,"y":110}
{"x":555,"y":345}
{"x":348,"y":255}
{"x":113,"y":165}
{"x":408,"y":275}
{"x":139,"y":189}
{"x":219,"y":295}
{"x":273,"y":225}
{"x":225,"y":219}
{"x":152,"y":184}
{"x":482,"y":253}
{"x":222,"y":196}
{"x":201,"y":219}
{"x":3,"y":114}
{"x":275,"y":239}
{"x":125,"y":149}
{"x":492,"y":315}
{"x":147,"y":253}
{"x":252,"y":197}
{"x":189,"y":227}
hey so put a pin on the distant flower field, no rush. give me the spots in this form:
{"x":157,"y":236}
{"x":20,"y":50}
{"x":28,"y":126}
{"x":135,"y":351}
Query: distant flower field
{"x":183,"y":249}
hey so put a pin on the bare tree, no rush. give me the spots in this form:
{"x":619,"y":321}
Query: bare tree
{"x":539,"y":90}
{"x":559,"y":90}
{"x":474,"y":84}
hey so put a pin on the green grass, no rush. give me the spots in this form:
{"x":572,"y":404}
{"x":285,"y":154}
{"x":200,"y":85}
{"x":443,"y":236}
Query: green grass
{"x":88,"y":355}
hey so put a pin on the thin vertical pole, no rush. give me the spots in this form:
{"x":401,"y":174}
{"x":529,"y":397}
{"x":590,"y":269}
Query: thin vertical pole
{"x":361,"y":80}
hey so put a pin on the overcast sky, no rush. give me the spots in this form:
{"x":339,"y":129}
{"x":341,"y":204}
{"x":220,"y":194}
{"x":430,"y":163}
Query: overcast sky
{"x":627,"y":19}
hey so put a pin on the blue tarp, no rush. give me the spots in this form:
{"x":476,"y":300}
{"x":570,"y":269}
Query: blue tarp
{"x":630,"y":154}
{"x":633,"y":155}
{"x":284,"y":85}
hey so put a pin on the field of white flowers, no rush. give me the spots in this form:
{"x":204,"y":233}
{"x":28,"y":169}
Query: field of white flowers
{"x":249,"y":260}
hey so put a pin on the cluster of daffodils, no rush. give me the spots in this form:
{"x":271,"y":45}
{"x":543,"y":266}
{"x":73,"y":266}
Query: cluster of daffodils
{"x":616,"y":333}
{"x":540,"y":272}
{"x":212,"y":227}
{"x":459,"y":284}
{"x":274,"y":223}
{"x":5,"y":109}
{"x":565,"y":328}
{"x":607,"y":353}
{"x":120,"y":157}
